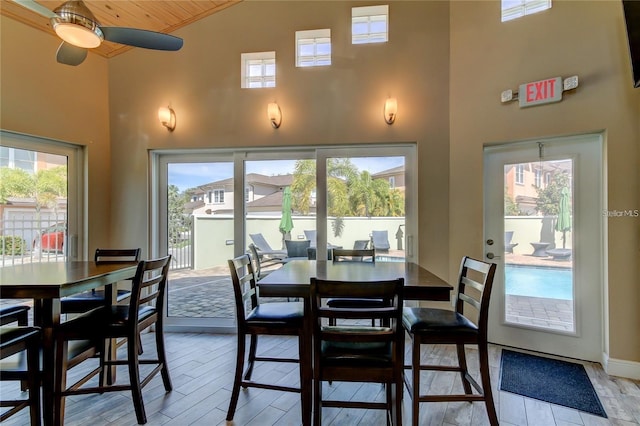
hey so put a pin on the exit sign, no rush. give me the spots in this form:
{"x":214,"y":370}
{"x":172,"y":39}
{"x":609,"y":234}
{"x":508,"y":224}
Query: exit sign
{"x":540,"y":92}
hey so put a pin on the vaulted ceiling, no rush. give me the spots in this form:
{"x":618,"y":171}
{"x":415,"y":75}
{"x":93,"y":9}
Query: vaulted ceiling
{"x":158,"y":15}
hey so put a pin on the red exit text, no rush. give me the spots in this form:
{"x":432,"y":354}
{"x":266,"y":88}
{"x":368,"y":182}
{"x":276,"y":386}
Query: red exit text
{"x":540,"y":92}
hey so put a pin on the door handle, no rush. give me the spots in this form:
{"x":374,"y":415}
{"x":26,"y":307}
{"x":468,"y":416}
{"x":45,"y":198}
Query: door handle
{"x":490,"y":255}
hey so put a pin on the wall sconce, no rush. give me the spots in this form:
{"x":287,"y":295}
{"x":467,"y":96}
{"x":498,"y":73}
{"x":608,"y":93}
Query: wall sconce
{"x":390,"y":110}
{"x":167,"y":117}
{"x":274,"y":114}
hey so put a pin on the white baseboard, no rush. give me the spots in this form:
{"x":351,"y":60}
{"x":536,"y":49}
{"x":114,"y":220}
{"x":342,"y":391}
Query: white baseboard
{"x":621,"y":368}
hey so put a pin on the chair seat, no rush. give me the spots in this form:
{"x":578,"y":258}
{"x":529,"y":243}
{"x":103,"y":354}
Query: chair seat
{"x":437,"y":321}
{"x":277,"y":313}
{"x":10,"y":336}
{"x":10,"y":313}
{"x":82,"y":302}
{"x":15,"y":366}
{"x":355,"y":303}
{"x":104,"y":322}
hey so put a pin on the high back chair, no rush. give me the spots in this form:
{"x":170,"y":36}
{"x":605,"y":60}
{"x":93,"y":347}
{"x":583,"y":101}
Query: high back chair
{"x":353,"y":255}
{"x":83,"y":302}
{"x":441,"y":326}
{"x":255,"y":319}
{"x":259,"y":261}
{"x":104,"y":324}
{"x":358,"y":354}
{"x":14,"y":340}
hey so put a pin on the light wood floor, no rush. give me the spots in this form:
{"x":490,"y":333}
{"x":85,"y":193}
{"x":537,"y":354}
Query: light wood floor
{"x":202,"y":366}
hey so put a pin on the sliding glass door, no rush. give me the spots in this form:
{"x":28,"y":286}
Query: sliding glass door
{"x":366,"y":201}
{"x":212,"y":204}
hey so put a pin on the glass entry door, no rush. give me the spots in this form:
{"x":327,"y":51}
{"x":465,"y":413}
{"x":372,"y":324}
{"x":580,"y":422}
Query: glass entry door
{"x":543,"y":227}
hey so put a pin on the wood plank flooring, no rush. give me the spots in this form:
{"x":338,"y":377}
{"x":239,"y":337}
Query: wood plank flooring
{"x":202,"y":365}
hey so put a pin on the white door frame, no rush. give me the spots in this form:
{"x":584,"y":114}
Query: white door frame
{"x":587,"y":342}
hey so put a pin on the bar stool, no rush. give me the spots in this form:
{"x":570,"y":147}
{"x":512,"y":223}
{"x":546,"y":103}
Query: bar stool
{"x":441,"y":326}
{"x":13,"y":340}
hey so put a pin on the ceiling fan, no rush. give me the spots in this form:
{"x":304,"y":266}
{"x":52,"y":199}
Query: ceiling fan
{"x":74,"y":23}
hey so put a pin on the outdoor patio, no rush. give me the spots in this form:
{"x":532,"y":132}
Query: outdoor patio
{"x":207,"y":293}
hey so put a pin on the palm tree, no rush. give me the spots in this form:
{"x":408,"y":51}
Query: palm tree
{"x":350,"y":193}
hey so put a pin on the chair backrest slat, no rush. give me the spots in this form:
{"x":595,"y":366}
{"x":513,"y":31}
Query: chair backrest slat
{"x":243,"y":279}
{"x":474,"y":288}
{"x":255,"y":257}
{"x":117,"y":255}
{"x":149,"y":286}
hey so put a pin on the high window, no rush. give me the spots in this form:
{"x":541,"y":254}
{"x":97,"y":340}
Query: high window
{"x":512,"y":9}
{"x":370,"y":24}
{"x":313,"y":48}
{"x":258,"y":70}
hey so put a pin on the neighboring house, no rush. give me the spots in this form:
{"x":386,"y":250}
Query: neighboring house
{"x":521,"y":181}
{"x":263,"y":195}
{"x":395,"y":176}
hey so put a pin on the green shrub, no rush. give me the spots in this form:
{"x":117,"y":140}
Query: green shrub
{"x":12,"y":245}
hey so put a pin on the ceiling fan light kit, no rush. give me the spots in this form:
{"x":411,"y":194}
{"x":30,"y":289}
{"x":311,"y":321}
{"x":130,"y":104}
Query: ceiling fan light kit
{"x":74,"y":23}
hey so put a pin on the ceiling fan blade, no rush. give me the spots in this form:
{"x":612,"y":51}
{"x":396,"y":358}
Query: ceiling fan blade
{"x":37,"y":8}
{"x":142,"y":38}
{"x":69,"y":54}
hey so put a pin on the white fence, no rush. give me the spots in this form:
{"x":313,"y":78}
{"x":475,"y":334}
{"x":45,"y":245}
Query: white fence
{"x":214,"y":243}
{"x":534,"y":229}
{"x":21,"y":233}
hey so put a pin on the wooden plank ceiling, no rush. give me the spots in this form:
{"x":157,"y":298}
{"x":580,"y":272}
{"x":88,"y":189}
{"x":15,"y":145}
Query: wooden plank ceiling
{"x":157,"y":15}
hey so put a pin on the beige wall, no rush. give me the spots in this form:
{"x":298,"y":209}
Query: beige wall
{"x":43,"y":98}
{"x":435,"y":42}
{"x":584,"y":38}
{"x":326,"y":105}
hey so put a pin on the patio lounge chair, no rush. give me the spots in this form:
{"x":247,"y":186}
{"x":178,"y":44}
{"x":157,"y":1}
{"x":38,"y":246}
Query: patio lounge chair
{"x":312,"y":235}
{"x":264,"y":249}
{"x":380,"y":241}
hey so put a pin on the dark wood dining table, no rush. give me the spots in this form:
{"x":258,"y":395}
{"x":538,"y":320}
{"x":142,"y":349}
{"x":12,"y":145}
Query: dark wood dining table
{"x":293,"y":279}
{"x":46,"y":284}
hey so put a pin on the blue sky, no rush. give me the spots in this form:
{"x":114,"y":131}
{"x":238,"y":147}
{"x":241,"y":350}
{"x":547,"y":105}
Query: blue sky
{"x":190,"y":175}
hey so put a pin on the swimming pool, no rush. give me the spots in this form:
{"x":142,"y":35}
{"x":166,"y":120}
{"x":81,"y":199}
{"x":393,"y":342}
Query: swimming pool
{"x":384,"y":258}
{"x":552,"y":283}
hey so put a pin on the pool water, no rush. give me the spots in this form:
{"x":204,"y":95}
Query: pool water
{"x":383,"y":258}
{"x":552,"y":283}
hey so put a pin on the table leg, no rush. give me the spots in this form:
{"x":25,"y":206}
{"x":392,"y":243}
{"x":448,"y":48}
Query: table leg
{"x":110,"y":298}
{"x":307,"y":366}
{"x":47,"y":316}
